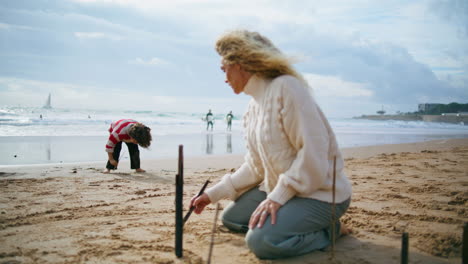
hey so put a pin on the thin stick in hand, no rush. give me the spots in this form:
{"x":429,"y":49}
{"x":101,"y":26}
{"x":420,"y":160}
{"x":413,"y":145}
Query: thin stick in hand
{"x":193,"y":207}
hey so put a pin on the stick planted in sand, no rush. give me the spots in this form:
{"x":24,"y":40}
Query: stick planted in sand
{"x":333,"y":227}
{"x":179,"y":224}
{"x":404,"y":248}
{"x":213,"y":234}
{"x":465,"y":244}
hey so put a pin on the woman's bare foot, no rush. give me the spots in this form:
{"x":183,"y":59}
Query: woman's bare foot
{"x":344,"y":230}
{"x":106,"y":172}
{"x":140,"y":170}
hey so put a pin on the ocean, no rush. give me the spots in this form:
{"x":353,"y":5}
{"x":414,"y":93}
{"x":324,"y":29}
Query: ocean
{"x":43,"y":136}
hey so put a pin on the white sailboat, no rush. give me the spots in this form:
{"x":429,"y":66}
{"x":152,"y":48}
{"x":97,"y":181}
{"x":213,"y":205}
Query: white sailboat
{"x":48,"y":104}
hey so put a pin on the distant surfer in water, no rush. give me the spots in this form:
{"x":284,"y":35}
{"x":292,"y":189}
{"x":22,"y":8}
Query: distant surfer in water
{"x":209,"y":120}
{"x":229,"y":118}
{"x":133,"y":134}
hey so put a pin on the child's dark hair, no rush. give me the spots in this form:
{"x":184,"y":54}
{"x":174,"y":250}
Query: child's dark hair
{"x":142,"y":134}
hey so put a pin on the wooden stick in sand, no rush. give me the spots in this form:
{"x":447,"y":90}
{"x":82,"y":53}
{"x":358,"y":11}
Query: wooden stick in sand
{"x":465,"y":244}
{"x":404,"y":248}
{"x":333,"y":224}
{"x":179,"y":224}
{"x":213,"y":234}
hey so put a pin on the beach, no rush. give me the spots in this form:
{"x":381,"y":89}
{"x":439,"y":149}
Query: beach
{"x":72,"y":213}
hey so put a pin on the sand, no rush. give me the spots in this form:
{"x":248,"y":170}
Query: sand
{"x":75,"y":214}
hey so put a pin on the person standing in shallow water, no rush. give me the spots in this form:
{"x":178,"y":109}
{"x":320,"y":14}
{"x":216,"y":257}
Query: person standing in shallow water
{"x":229,"y":118}
{"x":133,"y":134}
{"x":283,"y":191}
{"x":209,"y":120}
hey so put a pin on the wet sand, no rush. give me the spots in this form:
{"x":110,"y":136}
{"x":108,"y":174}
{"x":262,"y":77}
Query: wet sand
{"x":75,"y":214}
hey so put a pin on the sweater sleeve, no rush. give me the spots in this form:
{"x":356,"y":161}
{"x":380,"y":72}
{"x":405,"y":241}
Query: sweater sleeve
{"x":231,"y":185}
{"x":113,"y":139}
{"x":308,"y":135}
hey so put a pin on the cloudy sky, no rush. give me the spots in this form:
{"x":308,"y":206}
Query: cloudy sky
{"x":358,"y":55}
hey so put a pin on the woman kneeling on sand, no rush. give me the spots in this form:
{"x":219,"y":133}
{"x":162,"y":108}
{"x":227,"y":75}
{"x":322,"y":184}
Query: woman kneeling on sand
{"x":283,"y":191}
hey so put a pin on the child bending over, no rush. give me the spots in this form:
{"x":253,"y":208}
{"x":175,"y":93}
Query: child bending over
{"x":133,"y":134}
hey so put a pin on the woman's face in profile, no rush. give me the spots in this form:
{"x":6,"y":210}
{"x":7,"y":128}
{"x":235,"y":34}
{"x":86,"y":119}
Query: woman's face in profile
{"x":234,"y":76}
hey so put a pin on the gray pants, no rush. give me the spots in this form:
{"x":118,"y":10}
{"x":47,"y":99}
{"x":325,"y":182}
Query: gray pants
{"x":302,"y":225}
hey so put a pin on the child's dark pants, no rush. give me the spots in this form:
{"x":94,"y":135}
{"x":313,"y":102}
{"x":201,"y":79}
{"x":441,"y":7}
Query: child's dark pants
{"x":134,"y":155}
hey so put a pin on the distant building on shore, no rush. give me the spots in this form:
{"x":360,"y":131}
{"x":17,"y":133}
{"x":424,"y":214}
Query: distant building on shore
{"x":423,"y":108}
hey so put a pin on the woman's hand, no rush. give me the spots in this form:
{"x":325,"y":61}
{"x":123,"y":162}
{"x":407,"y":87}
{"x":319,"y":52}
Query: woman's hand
{"x":200,"y":202}
{"x":265,"y":208}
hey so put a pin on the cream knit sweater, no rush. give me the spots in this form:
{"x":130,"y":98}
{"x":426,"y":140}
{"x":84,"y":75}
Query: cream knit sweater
{"x":290,"y":146}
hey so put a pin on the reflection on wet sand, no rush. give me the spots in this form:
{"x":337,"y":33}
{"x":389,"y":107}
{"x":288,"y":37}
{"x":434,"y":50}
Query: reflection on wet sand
{"x":209,"y":143}
{"x":228,"y":143}
{"x":48,"y":150}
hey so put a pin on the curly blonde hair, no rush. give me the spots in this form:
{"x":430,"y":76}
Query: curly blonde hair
{"x":255,"y":53}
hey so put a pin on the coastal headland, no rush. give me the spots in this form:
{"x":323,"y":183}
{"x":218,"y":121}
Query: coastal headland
{"x":447,"y":118}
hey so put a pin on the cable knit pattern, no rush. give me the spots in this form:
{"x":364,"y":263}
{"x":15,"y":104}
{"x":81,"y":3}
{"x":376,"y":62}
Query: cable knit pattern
{"x":290,"y":146}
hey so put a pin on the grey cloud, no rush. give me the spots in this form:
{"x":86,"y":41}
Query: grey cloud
{"x":54,"y":53}
{"x":453,"y":11}
{"x":389,"y":70}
